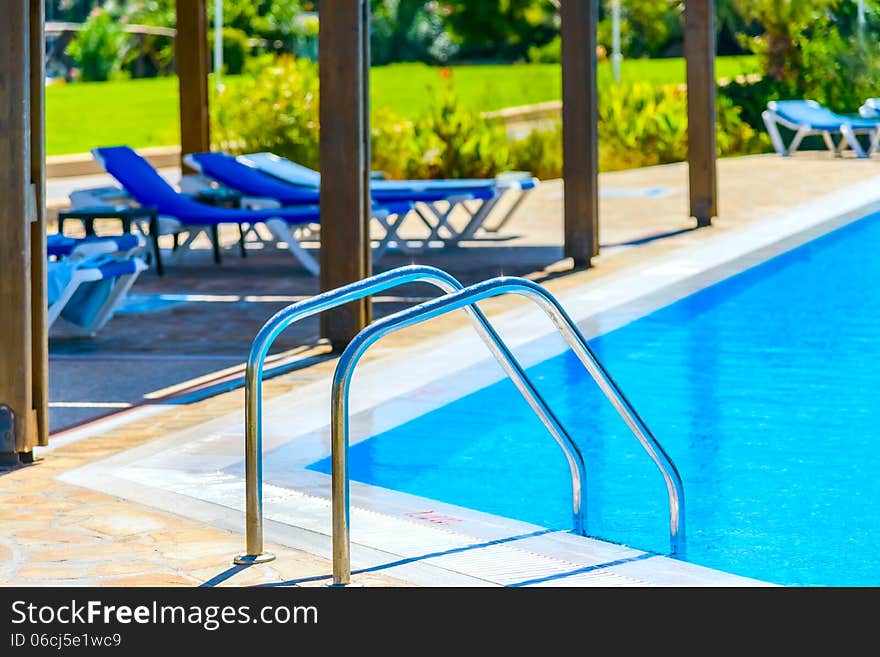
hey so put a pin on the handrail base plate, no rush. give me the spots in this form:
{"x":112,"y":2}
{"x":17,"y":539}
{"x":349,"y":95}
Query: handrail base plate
{"x":250,"y":559}
{"x":350,"y":585}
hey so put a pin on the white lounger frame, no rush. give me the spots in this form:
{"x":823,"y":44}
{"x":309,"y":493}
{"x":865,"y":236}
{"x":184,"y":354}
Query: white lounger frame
{"x":772,"y":121}
{"x":441,"y":228}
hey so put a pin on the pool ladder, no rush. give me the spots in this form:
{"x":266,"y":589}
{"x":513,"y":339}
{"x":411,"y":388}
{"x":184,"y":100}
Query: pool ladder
{"x":456,"y":297}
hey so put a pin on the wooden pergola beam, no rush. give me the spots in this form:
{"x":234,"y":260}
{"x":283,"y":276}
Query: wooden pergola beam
{"x":344,"y":59}
{"x":699,"y":51}
{"x":192,"y":63}
{"x":23,"y":358}
{"x":579,"y":130}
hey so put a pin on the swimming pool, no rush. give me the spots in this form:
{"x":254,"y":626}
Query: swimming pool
{"x":760,"y":387}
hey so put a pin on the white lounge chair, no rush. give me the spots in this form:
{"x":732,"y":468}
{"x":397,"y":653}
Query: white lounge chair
{"x":807,"y":117}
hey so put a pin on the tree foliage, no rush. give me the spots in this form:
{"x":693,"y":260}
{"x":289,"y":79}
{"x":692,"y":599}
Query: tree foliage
{"x":811,"y":49}
{"x":97,"y":47}
{"x":102,"y":49}
{"x":648,"y":28}
{"x":409,"y":31}
{"x":499,"y":29}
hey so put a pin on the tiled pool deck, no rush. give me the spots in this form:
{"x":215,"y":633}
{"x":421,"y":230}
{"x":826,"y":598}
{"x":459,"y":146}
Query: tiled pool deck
{"x":140,"y":498}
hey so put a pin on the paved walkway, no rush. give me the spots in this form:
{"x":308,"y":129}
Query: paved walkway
{"x":191,"y":329}
{"x":58,"y":533}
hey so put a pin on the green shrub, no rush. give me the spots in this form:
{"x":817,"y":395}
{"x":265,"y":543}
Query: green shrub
{"x":272,"y":107}
{"x":447,"y":142}
{"x":643,"y":125}
{"x":275,"y":107}
{"x":549,"y":53}
{"x":751,"y":96}
{"x":838,"y":72}
{"x":149,"y":55}
{"x":539,"y":152}
{"x":460,"y":143}
{"x":395,"y":147}
{"x":235,"y":49}
{"x":734,"y":134}
{"x":98,"y":47}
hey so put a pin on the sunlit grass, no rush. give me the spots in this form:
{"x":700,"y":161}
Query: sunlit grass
{"x":144,"y":113}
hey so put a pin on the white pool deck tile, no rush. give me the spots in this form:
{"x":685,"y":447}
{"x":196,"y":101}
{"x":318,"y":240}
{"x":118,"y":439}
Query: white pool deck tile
{"x":198,"y":473}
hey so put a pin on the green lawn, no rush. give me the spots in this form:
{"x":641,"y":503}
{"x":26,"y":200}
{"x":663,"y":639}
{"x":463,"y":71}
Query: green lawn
{"x":140,"y":113}
{"x":407,"y":88}
{"x":144,"y":112}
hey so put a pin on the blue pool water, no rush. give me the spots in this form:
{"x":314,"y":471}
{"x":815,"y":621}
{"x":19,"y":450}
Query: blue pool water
{"x":765,"y":391}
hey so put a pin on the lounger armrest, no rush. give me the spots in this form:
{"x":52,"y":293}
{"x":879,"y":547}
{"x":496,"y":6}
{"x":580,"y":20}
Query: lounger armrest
{"x":86,"y":274}
{"x":522,"y":180}
{"x":99,"y":197}
{"x":869,"y":111}
{"x":88,"y":248}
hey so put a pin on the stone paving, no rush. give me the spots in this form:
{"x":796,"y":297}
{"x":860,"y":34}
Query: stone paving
{"x":56,"y":533}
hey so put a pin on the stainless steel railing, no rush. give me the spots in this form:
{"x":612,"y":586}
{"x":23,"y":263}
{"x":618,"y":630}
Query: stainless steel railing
{"x":286,"y":316}
{"x":462,"y":299}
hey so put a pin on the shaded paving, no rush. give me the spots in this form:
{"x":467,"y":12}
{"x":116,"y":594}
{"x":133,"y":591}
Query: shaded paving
{"x":199,"y":319}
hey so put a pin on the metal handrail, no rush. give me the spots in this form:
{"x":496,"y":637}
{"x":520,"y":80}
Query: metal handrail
{"x":317,"y":304}
{"x":439,"y":306}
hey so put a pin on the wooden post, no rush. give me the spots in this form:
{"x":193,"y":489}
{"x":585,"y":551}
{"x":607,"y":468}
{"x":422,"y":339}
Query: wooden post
{"x":366,"y":195}
{"x":191,"y":59}
{"x":39,"y":303}
{"x":699,"y":51}
{"x":579,"y":130}
{"x":19,"y":431}
{"x":343,"y":58}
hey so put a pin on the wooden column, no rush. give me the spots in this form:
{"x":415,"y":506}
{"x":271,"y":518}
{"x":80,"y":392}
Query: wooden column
{"x":22,"y":329}
{"x":39,"y":303}
{"x":579,"y":130}
{"x":191,"y":60}
{"x":343,"y":57}
{"x":699,"y":51}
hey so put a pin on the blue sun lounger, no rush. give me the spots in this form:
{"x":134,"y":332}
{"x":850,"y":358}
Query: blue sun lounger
{"x":144,"y":184}
{"x":85,"y":287}
{"x":807,"y":117}
{"x":260,"y":190}
{"x":435,"y":200}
